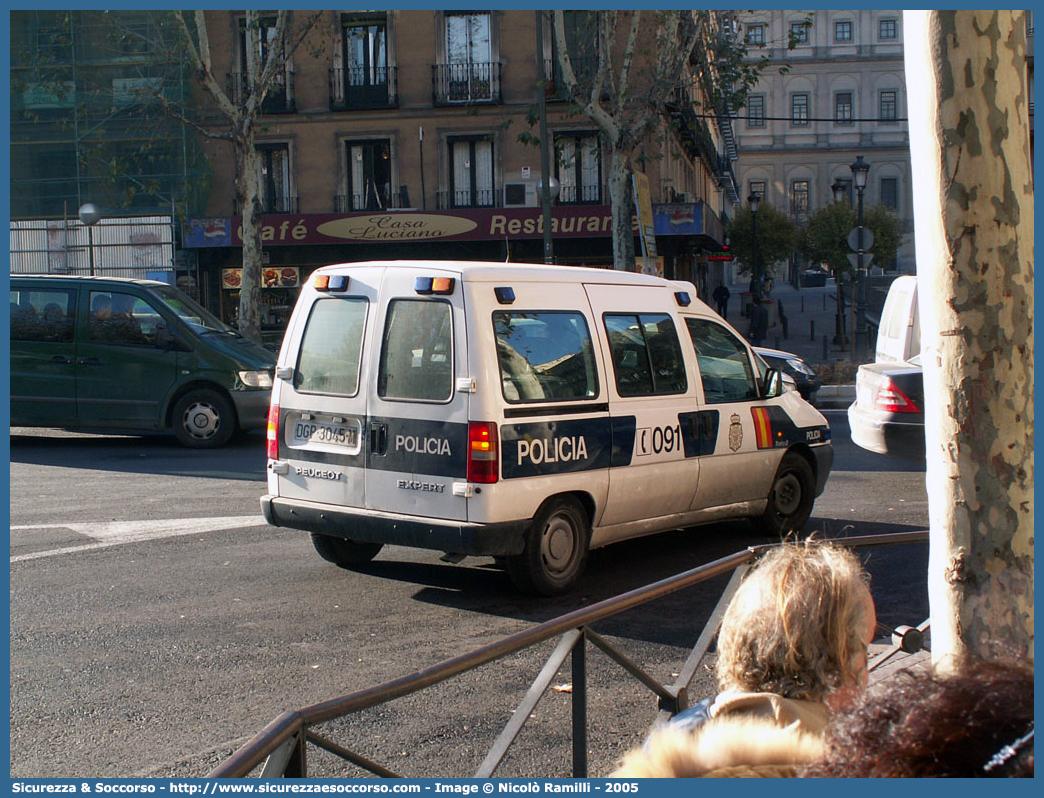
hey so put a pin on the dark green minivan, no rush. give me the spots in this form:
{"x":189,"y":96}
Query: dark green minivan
{"x":126,"y":355}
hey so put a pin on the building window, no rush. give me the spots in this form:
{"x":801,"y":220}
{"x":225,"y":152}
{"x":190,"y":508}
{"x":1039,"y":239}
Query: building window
{"x":755,"y":34}
{"x":843,"y":30}
{"x":799,"y":110}
{"x":471,"y":172}
{"x":758,"y":187}
{"x":365,"y":78}
{"x":799,"y":32}
{"x":369,"y":176}
{"x":843,"y":108}
{"x":469,"y":73}
{"x":888,"y":106}
{"x":756,"y":110}
{"x":888,"y":29}
{"x":276,"y":193}
{"x":279,"y":98}
{"x":799,"y":199}
{"x":578,"y":166}
{"x":890,"y":192}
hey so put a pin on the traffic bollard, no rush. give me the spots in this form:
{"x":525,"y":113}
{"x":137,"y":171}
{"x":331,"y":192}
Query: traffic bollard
{"x":825,"y":350}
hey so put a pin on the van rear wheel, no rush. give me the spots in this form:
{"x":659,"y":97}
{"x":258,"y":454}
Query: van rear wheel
{"x":203,"y":419}
{"x":791,"y":497}
{"x":556,"y":549}
{"x":344,"y":553}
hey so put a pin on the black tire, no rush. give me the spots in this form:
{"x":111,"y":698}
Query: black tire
{"x":556,"y":549}
{"x":203,"y":419}
{"x":790,"y":498}
{"x":344,"y":553}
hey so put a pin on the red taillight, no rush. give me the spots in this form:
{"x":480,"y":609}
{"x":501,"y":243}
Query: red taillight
{"x":892,"y":400}
{"x":272,"y":448}
{"x":483,"y":460}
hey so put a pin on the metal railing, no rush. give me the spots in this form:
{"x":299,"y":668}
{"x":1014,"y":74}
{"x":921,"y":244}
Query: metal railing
{"x":469,"y":82}
{"x":280,"y":748}
{"x":362,"y":88}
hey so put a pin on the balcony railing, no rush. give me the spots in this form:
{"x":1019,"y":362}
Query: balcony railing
{"x":473,"y":82}
{"x":278,"y":100}
{"x":349,"y":203}
{"x":362,"y":88}
{"x":481,"y":198}
{"x":583,"y":68}
{"x":285,"y":204}
{"x":582,"y":195}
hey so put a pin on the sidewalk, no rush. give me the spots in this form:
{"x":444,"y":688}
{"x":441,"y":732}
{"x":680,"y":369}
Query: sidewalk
{"x":811,"y":316}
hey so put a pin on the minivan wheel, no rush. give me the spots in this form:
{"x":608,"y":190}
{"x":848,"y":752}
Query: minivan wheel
{"x":556,"y":549}
{"x":791,"y":497}
{"x":344,"y":553}
{"x":203,"y":419}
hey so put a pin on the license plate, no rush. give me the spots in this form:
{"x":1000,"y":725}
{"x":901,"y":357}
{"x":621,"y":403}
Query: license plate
{"x":306,"y":432}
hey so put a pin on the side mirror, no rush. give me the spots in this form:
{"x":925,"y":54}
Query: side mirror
{"x":164,"y":337}
{"x":772,"y":386}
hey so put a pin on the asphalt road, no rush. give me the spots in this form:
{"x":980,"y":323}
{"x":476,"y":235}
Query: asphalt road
{"x":157,"y":623}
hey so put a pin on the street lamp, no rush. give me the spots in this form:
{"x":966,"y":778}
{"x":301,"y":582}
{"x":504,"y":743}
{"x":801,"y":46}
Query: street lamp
{"x":548,"y":186}
{"x":860,"y":170}
{"x":754,"y":201}
{"x":839,"y":190}
{"x":90,"y":216}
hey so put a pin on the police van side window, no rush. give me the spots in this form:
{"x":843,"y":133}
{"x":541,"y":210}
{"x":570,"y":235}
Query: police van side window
{"x":45,"y":316}
{"x":331,"y":347}
{"x":545,"y":356}
{"x":647,"y":358}
{"x":724,"y":363}
{"x":417,"y":352}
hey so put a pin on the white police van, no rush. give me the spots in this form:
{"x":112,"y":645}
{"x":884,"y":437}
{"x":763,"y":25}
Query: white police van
{"x":525,"y":412}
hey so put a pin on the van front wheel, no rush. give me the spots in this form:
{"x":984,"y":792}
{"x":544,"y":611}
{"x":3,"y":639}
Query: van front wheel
{"x":344,"y":553}
{"x":556,"y":549}
{"x":203,"y":419}
{"x":791,"y":497}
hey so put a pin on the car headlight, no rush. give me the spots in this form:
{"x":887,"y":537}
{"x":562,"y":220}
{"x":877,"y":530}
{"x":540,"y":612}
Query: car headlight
{"x":256,"y":379}
{"x":800,"y":367}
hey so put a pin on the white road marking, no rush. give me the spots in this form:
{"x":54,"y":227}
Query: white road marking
{"x":115,"y":533}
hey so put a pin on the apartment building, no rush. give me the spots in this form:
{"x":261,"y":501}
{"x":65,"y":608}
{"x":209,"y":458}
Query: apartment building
{"x":400,"y":134}
{"x":842,"y":96}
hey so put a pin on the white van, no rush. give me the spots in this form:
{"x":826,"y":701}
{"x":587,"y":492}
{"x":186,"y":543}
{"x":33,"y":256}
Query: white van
{"x":899,"y":335}
{"x":525,"y":412}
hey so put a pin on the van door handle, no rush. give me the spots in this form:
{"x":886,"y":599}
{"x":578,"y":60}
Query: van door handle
{"x":378,"y":438}
{"x":89,"y":361}
{"x":61,"y":359}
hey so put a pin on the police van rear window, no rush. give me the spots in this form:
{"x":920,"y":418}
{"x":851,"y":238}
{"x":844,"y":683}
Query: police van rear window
{"x":545,"y":356}
{"x":331,"y":347}
{"x":417,"y":352}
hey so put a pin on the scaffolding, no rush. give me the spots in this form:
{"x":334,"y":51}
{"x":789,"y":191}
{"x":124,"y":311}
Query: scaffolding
{"x":91,"y":121}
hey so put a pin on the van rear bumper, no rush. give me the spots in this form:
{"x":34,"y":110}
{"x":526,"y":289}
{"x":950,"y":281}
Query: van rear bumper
{"x":367,"y":526}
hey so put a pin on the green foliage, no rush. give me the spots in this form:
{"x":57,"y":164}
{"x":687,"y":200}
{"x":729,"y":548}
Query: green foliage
{"x":777,"y":237}
{"x":825,"y":238}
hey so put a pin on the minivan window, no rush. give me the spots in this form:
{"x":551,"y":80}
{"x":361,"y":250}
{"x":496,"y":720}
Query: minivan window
{"x":544,"y":355}
{"x":647,"y":358}
{"x":331,"y":347}
{"x":194,"y":315}
{"x":46,"y":315}
{"x":417,"y":351}
{"x":123,"y":319}
{"x":724,"y":363}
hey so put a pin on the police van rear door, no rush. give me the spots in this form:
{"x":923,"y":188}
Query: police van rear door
{"x":323,"y":371}
{"x":416,"y":447}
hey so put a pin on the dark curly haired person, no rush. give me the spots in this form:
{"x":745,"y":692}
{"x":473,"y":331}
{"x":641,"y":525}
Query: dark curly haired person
{"x":975,"y":723}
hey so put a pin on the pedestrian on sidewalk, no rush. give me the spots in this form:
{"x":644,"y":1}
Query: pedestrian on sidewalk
{"x":759,"y":320}
{"x":782,"y":317}
{"x":721,"y":299}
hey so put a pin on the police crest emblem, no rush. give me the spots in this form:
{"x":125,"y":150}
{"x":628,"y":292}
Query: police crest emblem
{"x":735,"y":433}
